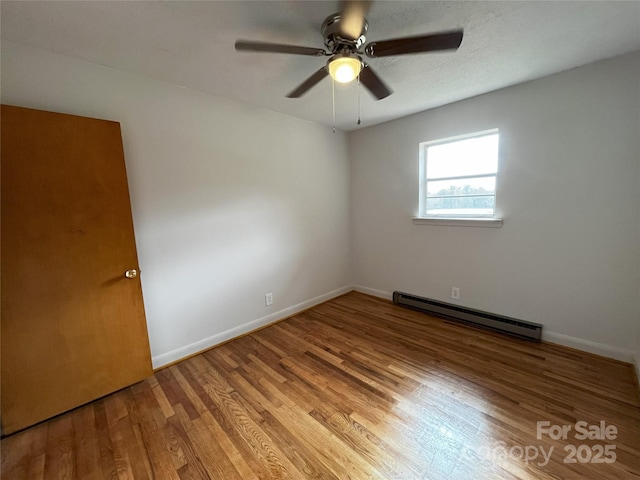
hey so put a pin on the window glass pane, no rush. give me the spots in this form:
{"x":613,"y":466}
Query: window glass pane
{"x":471,"y":156}
{"x":461,"y":206}
{"x":465,"y":186}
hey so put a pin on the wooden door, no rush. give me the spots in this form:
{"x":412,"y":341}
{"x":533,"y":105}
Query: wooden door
{"x":73,"y":326}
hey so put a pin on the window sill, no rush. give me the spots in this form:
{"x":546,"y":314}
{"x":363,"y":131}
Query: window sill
{"x":459,"y":222}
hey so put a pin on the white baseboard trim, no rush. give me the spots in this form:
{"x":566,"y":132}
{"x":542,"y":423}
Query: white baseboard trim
{"x":374,"y":292}
{"x":588,"y":346}
{"x":551,"y":337}
{"x":209,"y":342}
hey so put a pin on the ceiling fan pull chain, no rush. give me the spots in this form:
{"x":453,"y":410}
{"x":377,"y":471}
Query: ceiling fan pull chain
{"x":333,"y":102}
{"x":359,"y":122}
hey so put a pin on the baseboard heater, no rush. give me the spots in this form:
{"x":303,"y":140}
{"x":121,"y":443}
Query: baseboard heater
{"x":499,"y":323}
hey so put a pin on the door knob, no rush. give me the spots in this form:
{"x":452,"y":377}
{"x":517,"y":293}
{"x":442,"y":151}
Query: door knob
{"x":131,"y":273}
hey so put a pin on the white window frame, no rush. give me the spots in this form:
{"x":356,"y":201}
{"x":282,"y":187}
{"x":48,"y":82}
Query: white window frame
{"x":488,"y":220}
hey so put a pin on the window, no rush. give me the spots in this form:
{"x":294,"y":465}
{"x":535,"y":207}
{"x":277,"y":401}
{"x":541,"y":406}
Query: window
{"x":458,"y":176}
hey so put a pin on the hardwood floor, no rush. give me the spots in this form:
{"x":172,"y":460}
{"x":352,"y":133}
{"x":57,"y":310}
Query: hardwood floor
{"x":354,"y":388}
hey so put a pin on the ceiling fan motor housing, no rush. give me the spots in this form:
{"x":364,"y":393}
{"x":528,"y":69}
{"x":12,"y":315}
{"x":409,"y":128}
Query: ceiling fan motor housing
{"x":332,"y":31}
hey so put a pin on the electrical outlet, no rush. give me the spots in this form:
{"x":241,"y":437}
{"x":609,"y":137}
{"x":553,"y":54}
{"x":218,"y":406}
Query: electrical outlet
{"x":455,"y":293}
{"x":268,"y":299}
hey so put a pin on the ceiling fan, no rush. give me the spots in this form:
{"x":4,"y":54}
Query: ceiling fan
{"x":344,"y":38}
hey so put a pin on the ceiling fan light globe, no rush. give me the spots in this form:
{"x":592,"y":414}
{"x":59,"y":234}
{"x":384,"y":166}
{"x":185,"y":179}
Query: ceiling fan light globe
{"x":344,"y":69}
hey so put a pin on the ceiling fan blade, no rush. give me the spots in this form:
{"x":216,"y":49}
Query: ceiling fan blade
{"x":353,"y":14}
{"x":251,"y":46}
{"x":373,"y":83}
{"x":308,"y":83}
{"x":424,"y":43}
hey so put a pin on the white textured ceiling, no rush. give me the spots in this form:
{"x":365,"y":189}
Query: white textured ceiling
{"x":191,"y":44}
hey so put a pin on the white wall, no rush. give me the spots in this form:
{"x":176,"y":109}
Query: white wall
{"x":229,"y":201}
{"x":568,"y":255}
